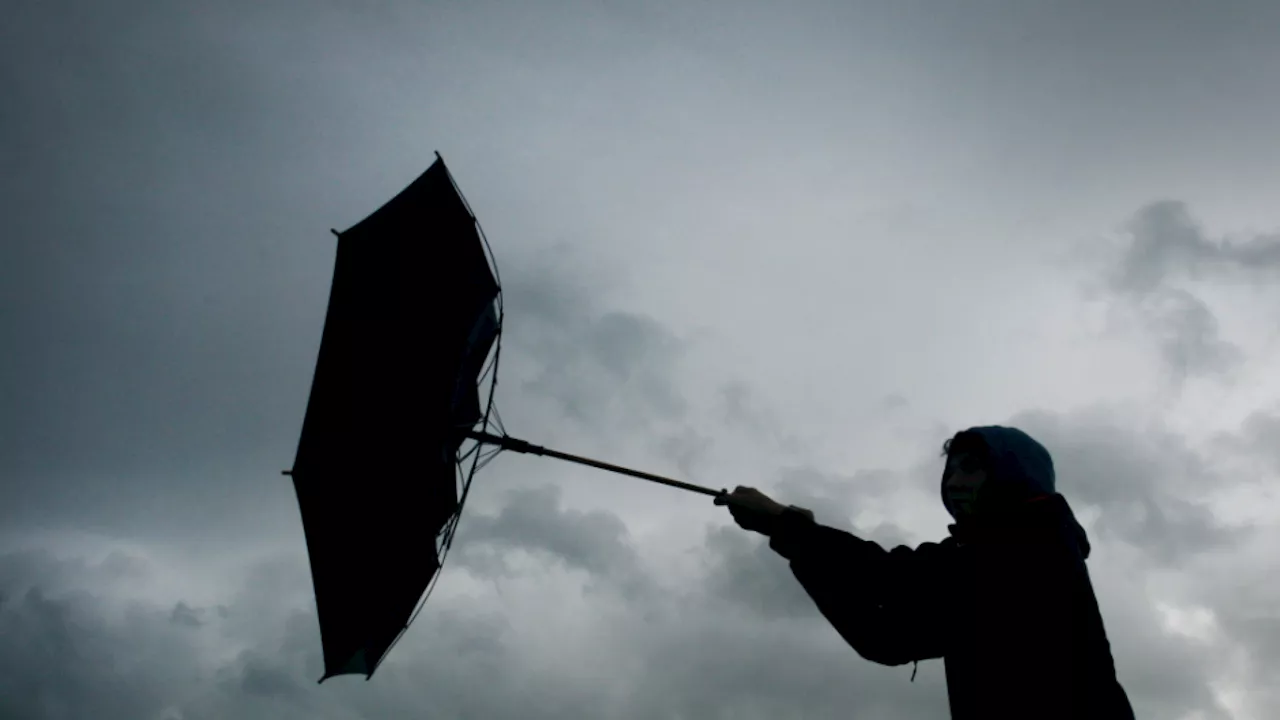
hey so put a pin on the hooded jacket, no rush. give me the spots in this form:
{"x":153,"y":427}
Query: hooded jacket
{"x":1005,"y":601}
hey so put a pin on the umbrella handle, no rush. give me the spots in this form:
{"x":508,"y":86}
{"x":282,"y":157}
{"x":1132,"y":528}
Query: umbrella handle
{"x":506,"y":442}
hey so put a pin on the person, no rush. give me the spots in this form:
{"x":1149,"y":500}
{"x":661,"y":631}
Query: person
{"x":1005,"y":601}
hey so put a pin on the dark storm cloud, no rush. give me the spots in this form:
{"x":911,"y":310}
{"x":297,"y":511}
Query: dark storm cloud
{"x":836,"y":495}
{"x":185,"y":615}
{"x":65,"y":655}
{"x":1150,"y":487}
{"x":741,"y":407}
{"x":1242,"y":593}
{"x":1259,"y":437}
{"x":1248,"y":606}
{"x":745,"y":572}
{"x":169,"y":178}
{"x":584,"y":357}
{"x":732,"y":666}
{"x":1165,"y":674}
{"x":603,"y":371}
{"x":1191,"y":342}
{"x":533,"y":520}
{"x":1167,"y":246}
{"x":688,"y":448}
{"x":744,"y":642}
{"x":628,"y":351}
{"x":164,"y":276}
{"x":162,"y":296}
{"x":1247,"y":609}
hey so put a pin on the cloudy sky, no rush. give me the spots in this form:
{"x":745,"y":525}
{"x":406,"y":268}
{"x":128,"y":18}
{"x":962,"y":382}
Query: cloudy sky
{"x":791,"y":249}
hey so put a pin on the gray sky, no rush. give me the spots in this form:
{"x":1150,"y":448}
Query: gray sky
{"x":789,"y":248}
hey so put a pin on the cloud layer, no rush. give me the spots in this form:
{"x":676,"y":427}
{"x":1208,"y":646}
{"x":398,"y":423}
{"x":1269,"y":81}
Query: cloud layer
{"x":791,"y":247}
{"x":547,"y":611}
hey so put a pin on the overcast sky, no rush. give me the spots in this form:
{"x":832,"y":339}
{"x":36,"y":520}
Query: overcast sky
{"x":795,"y":249}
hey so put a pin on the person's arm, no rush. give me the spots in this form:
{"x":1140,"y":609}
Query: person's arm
{"x":885,"y":604}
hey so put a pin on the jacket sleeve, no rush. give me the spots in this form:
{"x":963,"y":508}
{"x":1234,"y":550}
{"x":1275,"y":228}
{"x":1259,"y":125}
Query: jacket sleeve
{"x":883,"y":603}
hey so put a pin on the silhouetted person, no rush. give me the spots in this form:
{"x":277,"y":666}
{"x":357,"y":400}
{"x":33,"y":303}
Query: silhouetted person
{"x":1006,"y":601}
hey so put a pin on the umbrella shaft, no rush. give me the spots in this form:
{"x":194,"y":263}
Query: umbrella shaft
{"x":507,"y":442}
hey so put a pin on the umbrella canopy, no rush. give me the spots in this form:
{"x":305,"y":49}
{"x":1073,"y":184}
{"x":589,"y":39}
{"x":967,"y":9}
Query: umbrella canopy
{"x":412,"y":318}
{"x":415,"y":312}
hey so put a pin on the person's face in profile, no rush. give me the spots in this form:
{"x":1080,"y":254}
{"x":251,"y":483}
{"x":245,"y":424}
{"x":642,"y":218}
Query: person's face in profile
{"x":961,"y":481}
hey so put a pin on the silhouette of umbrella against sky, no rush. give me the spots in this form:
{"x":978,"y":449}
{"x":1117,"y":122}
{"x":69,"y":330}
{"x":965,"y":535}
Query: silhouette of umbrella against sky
{"x":401,"y":415}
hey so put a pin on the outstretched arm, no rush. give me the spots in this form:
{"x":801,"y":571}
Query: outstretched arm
{"x":888,"y":605}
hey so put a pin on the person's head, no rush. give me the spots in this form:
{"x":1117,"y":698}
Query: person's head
{"x":993,"y":469}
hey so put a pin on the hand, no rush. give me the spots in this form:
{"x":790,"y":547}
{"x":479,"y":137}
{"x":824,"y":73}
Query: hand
{"x":751,"y":509}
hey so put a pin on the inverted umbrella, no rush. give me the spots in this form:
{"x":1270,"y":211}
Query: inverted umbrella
{"x":395,"y":426}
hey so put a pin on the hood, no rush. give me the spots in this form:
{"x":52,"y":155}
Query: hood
{"x":1019,"y":467}
{"x":1018,"y":459}
{"x":1021,"y":470}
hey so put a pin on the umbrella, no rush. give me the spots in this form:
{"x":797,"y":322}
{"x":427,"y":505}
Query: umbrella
{"x":401,"y":415}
